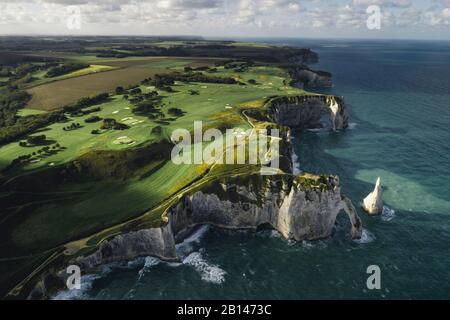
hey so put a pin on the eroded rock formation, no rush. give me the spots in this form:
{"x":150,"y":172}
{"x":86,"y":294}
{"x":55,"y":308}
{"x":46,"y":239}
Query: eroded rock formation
{"x":310,"y":112}
{"x":300,"y":208}
{"x":304,"y":77}
{"x":373,"y":203}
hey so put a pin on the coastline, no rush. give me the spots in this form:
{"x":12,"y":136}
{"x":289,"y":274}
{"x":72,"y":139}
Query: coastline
{"x":195,"y":208}
{"x":295,"y":209}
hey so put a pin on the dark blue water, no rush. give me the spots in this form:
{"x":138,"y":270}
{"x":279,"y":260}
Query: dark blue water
{"x":398,"y":95}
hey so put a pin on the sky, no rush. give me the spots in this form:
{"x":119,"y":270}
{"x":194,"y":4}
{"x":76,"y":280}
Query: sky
{"x":399,"y":19}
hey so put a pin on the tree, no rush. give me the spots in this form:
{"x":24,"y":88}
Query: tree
{"x":175,"y":112}
{"x":36,"y":139}
{"x":136,"y":91}
{"x":120,"y":90}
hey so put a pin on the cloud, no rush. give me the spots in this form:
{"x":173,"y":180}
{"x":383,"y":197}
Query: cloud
{"x":222,"y":17}
{"x":384,"y":3}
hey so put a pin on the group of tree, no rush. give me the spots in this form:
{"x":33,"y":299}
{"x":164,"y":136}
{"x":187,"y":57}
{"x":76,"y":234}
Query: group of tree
{"x":85,"y":102}
{"x":65,"y":68}
{"x":166,"y":81}
{"x":113,"y":124}
{"x":92,"y":119}
{"x":176,"y":112}
{"x":29,"y":124}
{"x":33,"y":141}
{"x":73,"y":126}
{"x":11,"y":100}
{"x":157,"y":130}
{"x":23,"y":159}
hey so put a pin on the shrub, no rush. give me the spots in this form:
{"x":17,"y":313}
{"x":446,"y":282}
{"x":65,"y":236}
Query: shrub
{"x":36,"y":139}
{"x":92,"y":119}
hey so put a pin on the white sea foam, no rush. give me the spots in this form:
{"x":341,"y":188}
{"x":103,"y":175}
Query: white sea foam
{"x":352,"y":125}
{"x":316,"y":244}
{"x":295,"y":164}
{"x":315,"y":130}
{"x":186,"y":247}
{"x":208,"y":272}
{"x":366,"y":237}
{"x":388,"y":214}
{"x":148,"y":263}
{"x":74,"y":294}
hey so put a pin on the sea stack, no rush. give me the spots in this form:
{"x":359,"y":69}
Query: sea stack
{"x":373,"y":203}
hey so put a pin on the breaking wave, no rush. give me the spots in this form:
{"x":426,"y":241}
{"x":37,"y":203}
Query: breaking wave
{"x":86,"y":282}
{"x":352,"y":125}
{"x":387,"y":214}
{"x":366,"y":237}
{"x":295,"y":164}
{"x":208,"y":272}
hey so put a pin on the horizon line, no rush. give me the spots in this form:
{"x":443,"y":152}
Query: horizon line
{"x":227,"y":37}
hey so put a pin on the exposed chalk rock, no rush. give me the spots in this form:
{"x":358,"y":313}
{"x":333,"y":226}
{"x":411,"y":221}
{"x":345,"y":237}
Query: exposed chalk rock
{"x":299,"y":207}
{"x":305,"y":77}
{"x":310,"y":112}
{"x":373,"y":203}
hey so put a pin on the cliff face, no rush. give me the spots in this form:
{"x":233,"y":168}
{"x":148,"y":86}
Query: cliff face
{"x":310,"y":112}
{"x":303,"y":77}
{"x":300,"y":208}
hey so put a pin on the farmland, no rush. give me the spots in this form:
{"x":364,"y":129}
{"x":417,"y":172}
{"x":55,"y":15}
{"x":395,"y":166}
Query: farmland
{"x":78,"y":85}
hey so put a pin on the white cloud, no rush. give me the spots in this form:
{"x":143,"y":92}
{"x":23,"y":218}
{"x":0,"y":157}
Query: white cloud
{"x":221,"y":17}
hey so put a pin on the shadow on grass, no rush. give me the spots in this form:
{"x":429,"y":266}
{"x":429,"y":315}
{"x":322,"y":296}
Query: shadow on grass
{"x":32,"y":222}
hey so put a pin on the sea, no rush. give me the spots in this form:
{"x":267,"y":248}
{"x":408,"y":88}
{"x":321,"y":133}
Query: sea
{"x":398,"y":96}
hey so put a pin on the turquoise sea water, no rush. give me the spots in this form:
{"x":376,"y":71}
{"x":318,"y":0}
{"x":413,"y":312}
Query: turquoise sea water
{"x":398,"y":95}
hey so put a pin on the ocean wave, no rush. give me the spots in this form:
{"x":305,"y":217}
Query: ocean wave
{"x":208,"y":272}
{"x":352,"y":125}
{"x":317,"y":130}
{"x":366,"y":237}
{"x":388,"y":214}
{"x":148,"y":263}
{"x":316,"y":244}
{"x":186,"y":247}
{"x":295,"y":164}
